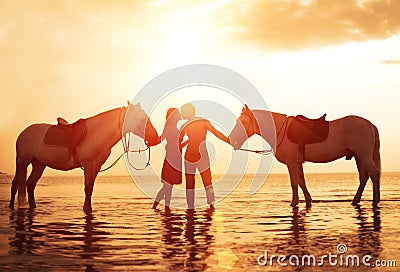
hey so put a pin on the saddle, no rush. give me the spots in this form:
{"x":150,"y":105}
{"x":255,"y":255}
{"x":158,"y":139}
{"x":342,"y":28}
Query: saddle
{"x":66,"y":135}
{"x":303,"y":131}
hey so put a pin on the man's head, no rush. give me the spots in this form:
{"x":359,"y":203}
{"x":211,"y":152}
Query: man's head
{"x":188,"y":111}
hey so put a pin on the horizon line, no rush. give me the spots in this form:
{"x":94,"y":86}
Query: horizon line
{"x":214,"y":174}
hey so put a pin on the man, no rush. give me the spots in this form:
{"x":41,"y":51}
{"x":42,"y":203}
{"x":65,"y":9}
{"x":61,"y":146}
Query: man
{"x":196,"y":155}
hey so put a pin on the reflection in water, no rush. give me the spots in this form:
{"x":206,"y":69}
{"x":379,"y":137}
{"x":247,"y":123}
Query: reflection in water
{"x":25,"y":241}
{"x":125,"y":234}
{"x":369,"y":231}
{"x":298,"y":228}
{"x":187,"y":240}
{"x":90,"y":247}
{"x":172,"y":238}
{"x":296,"y":237}
{"x":69,"y":240}
{"x":92,"y":235}
{"x":301,"y":239}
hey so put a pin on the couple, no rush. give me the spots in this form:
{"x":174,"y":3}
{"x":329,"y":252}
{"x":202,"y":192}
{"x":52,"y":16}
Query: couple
{"x":196,"y":155}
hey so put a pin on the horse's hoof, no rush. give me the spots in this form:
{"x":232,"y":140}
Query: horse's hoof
{"x":87,"y":210}
{"x":355,"y":203}
{"x":375,"y":204}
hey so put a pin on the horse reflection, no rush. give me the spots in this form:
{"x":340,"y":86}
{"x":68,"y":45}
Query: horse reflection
{"x":298,"y":228}
{"x":369,"y":241}
{"x":26,"y":241}
{"x":187,"y":240}
{"x":92,"y":237}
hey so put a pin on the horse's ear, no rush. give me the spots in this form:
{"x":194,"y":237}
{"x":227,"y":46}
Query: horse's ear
{"x":129,"y":103}
{"x":138,"y":106}
{"x":246,"y":107}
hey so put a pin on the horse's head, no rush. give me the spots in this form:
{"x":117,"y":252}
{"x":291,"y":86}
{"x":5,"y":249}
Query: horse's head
{"x":245,"y":127}
{"x":138,"y":122}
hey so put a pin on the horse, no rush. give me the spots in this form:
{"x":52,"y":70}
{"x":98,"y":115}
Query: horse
{"x":350,"y":136}
{"x":101,"y":133}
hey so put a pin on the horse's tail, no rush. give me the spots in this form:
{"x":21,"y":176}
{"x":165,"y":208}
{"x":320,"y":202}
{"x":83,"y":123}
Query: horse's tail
{"x":20,"y":175}
{"x":21,"y":190}
{"x":376,"y":156}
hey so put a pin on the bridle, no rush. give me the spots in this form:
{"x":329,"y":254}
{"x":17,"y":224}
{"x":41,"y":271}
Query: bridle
{"x":251,"y":124}
{"x":254,"y":131}
{"x":126,"y":144}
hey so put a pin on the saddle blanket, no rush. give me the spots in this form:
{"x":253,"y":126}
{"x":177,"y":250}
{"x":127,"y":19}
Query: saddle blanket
{"x":66,"y":135}
{"x":303,"y":131}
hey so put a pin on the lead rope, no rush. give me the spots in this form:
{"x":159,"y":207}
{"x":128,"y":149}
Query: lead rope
{"x":127,"y":158}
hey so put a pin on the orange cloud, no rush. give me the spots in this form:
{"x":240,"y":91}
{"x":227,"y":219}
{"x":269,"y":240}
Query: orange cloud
{"x":294,"y":25}
{"x":390,"y":62}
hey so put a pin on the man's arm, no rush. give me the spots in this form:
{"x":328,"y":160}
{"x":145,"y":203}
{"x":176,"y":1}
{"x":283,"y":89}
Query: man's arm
{"x":217,"y":133}
{"x":182,"y":145}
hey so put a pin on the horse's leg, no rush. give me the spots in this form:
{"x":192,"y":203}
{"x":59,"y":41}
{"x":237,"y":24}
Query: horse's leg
{"x":375,"y":175}
{"x":19,"y":178}
{"x":293,"y":170}
{"x":90,"y":176}
{"x":37,"y":171}
{"x":302,"y":184}
{"x":363,"y":177}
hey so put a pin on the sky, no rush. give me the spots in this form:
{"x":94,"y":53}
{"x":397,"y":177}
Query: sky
{"x":76,"y":59}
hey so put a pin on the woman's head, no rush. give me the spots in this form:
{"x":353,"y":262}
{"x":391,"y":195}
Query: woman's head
{"x":173,"y":115}
{"x":188,"y":111}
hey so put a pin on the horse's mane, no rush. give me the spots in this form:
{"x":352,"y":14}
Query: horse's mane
{"x":271,"y":112}
{"x":105,"y":113}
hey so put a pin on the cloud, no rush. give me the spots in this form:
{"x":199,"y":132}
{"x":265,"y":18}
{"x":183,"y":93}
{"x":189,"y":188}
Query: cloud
{"x":390,"y":62}
{"x":295,"y":24}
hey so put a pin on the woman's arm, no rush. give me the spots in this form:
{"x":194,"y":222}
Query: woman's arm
{"x":182,"y":133}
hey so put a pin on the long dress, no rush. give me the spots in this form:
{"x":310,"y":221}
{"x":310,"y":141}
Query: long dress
{"x":172,"y":168}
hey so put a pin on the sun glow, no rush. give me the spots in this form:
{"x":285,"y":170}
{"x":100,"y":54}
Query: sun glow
{"x":185,"y":37}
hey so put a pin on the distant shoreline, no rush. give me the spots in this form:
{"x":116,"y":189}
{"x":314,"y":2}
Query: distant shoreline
{"x":234,"y":174}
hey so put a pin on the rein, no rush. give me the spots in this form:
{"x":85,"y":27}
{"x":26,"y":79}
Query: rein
{"x":126,"y":151}
{"x":126,"y":144}
{"x":271,"y":150}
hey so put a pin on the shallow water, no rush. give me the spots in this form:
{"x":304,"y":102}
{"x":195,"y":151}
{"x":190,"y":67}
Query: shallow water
{"x":124,"y":233}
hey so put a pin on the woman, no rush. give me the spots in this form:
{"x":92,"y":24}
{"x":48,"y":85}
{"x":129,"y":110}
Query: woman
{"x":172,"y":168}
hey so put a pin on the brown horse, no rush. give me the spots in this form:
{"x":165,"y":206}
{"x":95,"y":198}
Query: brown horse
{"x":350,"y":136}
{"x":102,"y":132}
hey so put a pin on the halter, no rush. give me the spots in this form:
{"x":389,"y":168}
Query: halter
{"x":126,"y":144}
{"x":251,"y":123}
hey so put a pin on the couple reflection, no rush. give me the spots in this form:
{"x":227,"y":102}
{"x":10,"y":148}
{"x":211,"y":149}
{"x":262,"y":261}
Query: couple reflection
{"x":187,"y":239}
